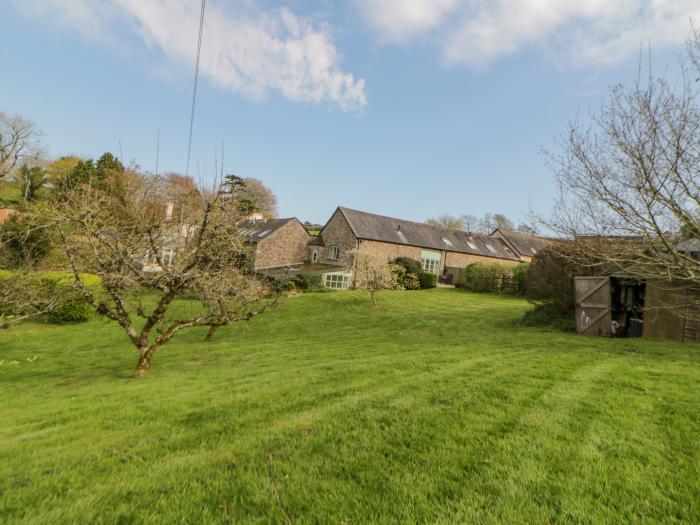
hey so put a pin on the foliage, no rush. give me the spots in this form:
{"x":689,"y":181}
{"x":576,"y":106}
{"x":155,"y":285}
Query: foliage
{"x":411,"y":276}
{"x":546,"y":316}
{"x":88,"y":171}
{"x":487,"y":277}
{"x":406,"y":280}
{"x":427,"y":280}
{"x":518,"y":282}
{"x":550,"y":278}
{"x":306,"y":282}
{"x":336,"y":405}
{"x":24,"y":242}
{"x":29,"y":295}
{"x":31,"y":180}
{"x":408,"y":272}
{"x":374,"y":273}
{"x":264,"y":201}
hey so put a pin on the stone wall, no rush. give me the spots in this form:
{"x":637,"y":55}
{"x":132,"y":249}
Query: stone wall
{"x":284,"y":247}
{"x":337,"y":233}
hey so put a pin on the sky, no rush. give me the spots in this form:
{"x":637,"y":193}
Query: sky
{"x":407,"y":108}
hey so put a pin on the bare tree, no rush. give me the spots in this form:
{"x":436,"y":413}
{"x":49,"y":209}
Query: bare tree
{"x":19,"y":143}
{"x":447,"y":221}
{"x":150,"y":256}
{"x":260,"y":196}
{"x":26,"y":295}
{"x":375,"y":274}
{"x":629,"y":183}
{"x":470,"y":222}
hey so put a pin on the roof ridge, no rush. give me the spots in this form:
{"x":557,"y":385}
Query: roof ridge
{"x":443,"y":228}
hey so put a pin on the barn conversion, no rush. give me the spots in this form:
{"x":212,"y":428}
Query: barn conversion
{"x":442,"y":251}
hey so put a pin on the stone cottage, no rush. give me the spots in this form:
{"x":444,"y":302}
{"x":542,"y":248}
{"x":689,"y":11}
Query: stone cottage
{"x":442,"y":251}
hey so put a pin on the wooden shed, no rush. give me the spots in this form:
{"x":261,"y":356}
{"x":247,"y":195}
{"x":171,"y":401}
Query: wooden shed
{"x":608,"y":306}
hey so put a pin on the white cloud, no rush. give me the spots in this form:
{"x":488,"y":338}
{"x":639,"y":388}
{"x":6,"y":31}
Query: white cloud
{"x":245,"y":49}
{"x":477,"y":32}
{"x":398,"y":20}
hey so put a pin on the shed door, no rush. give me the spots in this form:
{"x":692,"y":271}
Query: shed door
{"x":593,"y":305}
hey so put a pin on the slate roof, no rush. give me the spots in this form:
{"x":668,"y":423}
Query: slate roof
{"x":258,"y":230}
{"x":373,"y":227}
{"x":523,"y":243}
{"x":316,"y":241}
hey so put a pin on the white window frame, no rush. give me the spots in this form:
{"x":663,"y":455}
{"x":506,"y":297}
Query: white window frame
{"x":470,"y":242}
{"x":431,"y":261}
{"x":447,"y":241}
{"x":430,"y":265}
{"x":336,"y":281}
{"x":333,"y":253}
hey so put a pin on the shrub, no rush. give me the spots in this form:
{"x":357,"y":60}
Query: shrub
{"x":23,"y":243}
{"x":486,"y":277}
{"x":546,"y":316}
{"x":550,"y":278}
{"x":427,"y":280}
{"x":411,"y":265}
{"x":408,"y":273}
{"x":32,"y":295}
{"x":303,"y":282}
{"x":73,"y":310}
{"x":519,"y":279}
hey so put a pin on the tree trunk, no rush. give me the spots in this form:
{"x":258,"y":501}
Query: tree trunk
{"x":144,"y":363}
{"x":374,"y":298}
{"x":212,"y":329}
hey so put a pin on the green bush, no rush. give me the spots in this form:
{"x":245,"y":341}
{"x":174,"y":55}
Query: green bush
{"x":408,"y":273}
{"x":486,"y":277}
{"x":550,"y":278}
{"x":73,"y":310}
{"x":411,"y":265}
{"x":547,"y":316}
{"x":427,"y":280}
{"x":518,"y":283}
{"x":37,"y":296}
{"x":304,"y":282}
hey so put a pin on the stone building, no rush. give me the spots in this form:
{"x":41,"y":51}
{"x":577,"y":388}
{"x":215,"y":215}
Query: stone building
{"x":442,"y":251}
{"x":524,"y":245}
{"x":279,"y":243}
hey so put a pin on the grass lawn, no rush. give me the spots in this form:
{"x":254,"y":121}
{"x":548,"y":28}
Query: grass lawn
{"x":434,"y":407}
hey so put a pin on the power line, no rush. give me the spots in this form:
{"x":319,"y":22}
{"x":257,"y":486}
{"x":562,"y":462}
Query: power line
{"x":194,"y":92}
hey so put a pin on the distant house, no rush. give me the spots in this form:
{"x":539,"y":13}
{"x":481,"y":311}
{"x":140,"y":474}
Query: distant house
{"x":524,"y":245}
{"x":279,"y":243}
{"x":441,"y":251}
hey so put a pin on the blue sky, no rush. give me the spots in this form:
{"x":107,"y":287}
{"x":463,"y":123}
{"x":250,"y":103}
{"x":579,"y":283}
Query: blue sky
{"x":408,"y":108}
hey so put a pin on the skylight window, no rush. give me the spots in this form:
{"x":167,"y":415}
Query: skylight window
{"x":491,"y":248}
{"x":262,"y":234}
{"x":470,"y":242}
{"x":533,"y":250}
{"x":447,"y":241}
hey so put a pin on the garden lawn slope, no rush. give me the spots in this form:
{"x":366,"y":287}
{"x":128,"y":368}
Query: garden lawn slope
{"x":434,"y":407}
